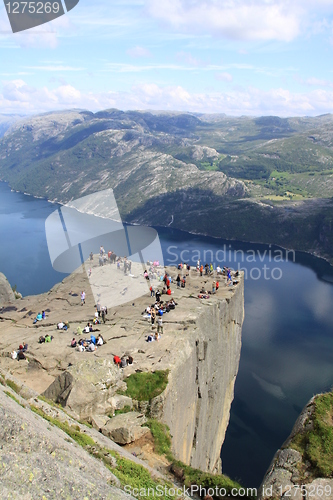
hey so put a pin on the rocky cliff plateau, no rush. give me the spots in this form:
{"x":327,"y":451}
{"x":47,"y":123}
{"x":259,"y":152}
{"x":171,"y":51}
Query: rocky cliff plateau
{"x":200,"y":349}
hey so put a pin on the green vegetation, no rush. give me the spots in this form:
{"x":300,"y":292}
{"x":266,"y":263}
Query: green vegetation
{"x":281,"y":160}
{"x":126,"y":409}
{"x":316,"y":445}
{"x":49,"y":401}
{"x":73,"y":431}
{"x":162,"y":438}
{"x":13,"y":386}
{"x":128,"y":472}
{"x":188,"y":475}
{"x":13,"y":397}
{"x":192,"y":476}
{"x":146,"y":386}
{"x":136,"y":476}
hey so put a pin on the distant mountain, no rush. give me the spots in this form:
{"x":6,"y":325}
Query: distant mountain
{"x":6,"y":121}
{"x":266,"y":179}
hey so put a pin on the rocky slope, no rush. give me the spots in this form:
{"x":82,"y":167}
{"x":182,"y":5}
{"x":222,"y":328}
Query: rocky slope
{"x":304,"y":466}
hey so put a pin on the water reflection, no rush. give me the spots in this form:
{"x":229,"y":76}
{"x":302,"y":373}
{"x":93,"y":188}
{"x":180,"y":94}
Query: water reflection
{"x":287,"y":340}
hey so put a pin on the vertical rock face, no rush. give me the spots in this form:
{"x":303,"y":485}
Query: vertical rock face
{"x":197,"y":401}
{"x":6,"y":293}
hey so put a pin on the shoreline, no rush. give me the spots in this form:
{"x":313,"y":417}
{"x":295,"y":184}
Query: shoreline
{"x":193,"y":232}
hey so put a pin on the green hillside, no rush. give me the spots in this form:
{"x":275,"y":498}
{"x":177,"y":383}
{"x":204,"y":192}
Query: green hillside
{"x":262,"y":179}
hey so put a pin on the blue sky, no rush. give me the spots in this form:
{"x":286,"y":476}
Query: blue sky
{"x":239,"y":57}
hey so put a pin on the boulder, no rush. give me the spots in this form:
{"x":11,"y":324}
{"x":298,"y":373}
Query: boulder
{"x":118,"y":402}
{"x":87,"y":387}
{"x":126,"y":428}
{"x":6,"y":293}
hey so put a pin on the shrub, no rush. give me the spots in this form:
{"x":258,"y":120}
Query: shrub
{"x":146,"y":386}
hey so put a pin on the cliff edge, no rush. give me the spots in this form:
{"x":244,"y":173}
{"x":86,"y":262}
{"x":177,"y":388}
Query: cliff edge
{"x":303,"y":467}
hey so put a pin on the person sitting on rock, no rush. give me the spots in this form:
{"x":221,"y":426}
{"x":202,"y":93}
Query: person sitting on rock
{"x":100,"y":340}
{"x":73,"y":343}
{"x":117,"y":360}
{"x":48,"y":338}
{"x":21,"y":355}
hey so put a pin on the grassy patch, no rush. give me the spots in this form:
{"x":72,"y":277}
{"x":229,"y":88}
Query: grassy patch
{"x":206,"y":480}
{"x":126,"y":409}
{"x":73,"y":431}
{"x":9,"y":394}
{"x":190,"y":476}
{"x":146,"y":386}
{"x":316,"y":445}
{"x":13,"y":386}
{"x":129,"y":473}
{"x":49,"y":402}
{"x":133,"y":475}
{"x":161,"y":437}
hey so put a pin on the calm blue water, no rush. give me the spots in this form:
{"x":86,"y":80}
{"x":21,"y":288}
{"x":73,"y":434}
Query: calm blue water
{"x":287,"y":349}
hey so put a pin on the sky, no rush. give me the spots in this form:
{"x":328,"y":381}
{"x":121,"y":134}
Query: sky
{"x":239,"y":57}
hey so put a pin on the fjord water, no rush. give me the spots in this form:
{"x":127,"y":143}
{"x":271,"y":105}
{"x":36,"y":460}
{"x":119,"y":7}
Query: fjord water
{"x":287,"y":339}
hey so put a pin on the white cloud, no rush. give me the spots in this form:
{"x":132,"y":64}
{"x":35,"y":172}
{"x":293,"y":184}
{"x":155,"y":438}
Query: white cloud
{"x":224,"y":77}
{"x":138,"y":52}
{"x":17,"y":96}
{"x":241,"y":19}
{"x":55,"y":67}
{"x":187,"y":58}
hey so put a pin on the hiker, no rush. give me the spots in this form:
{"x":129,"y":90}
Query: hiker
{"x":83,"y":298}
{"x":158,"y":296}
{"x":152,"y":316}
{"x":103,"y":313}
{"x":129,"y":360}
{"x":206,"y":269}
{"x":160,"y":325}
{"x":178,"y":280}
{"x":91,"y":255}
{"x":98,"y":308}
{"x":211,"y":268}
{"x":217,"y":285}
{"x":213,"y":286}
